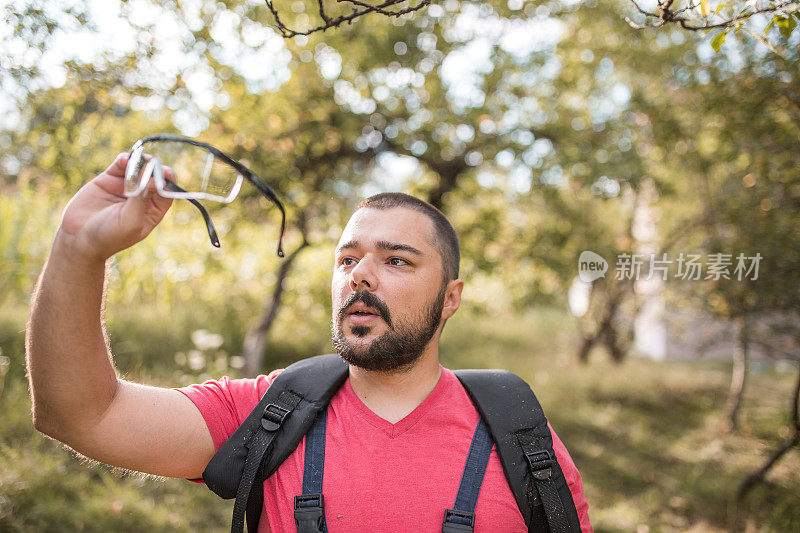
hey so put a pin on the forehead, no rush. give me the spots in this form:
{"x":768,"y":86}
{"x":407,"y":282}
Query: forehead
{"x":397,"y":225}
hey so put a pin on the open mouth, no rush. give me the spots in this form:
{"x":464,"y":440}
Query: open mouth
{"x":363,"y":315}
{"x":364,"y":310}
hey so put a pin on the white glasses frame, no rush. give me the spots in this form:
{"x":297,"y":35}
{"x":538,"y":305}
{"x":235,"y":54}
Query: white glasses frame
{"x":154,"y":170}
{"x":169,"y":189}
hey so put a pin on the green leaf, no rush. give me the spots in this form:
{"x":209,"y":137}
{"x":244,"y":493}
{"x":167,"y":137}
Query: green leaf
{"x":704,"y":7}
{"x":719,"y":8}
{"x":769,"y":25}
{"x":785,"y":24}
{"x":717,"y":41}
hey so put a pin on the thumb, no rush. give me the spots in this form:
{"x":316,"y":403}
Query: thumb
{"x":118,"y":166}
{"x":140,"y":215}
{"x":135,"y":207}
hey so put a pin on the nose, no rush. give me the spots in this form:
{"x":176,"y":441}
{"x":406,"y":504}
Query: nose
{"x":363,"y":276}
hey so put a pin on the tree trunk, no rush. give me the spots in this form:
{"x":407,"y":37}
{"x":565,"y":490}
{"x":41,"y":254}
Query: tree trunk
{"x":739,"y":374}
{"x":611,"y":341}
{"x":794,"y":440}
{"x":609,"y":331}
{"x":255,"y":341}
{"x":586,"y":347}
{"x":606,"y":332}
{"x":448,"y":177}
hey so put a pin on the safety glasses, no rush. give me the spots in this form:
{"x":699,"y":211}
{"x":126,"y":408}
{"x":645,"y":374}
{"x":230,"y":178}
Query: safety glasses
{"x":199,"y":172}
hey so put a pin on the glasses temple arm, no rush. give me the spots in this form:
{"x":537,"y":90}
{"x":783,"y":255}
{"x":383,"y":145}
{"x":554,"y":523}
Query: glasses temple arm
{"x":212,"y":232}
{"x":283,"y":227}
{"x":267,"y":191}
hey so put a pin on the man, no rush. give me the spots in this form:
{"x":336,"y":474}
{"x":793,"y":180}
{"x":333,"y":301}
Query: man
{"x":398,"y":430}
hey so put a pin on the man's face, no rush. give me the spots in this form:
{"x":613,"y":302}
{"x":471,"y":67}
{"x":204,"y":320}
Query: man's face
{"x":388,"y":292}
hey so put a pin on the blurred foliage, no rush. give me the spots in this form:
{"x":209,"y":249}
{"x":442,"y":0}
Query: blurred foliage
{"x":536,"y":127}
{"x":537,"y":151}
{"x":644,"y":436}
{"x":746,"y":198}
{"x":769,"y":22}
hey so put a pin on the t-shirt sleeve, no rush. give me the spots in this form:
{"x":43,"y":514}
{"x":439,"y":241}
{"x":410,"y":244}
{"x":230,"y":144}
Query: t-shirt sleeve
{"x":573,"y":480}
{"x":225,"y":403}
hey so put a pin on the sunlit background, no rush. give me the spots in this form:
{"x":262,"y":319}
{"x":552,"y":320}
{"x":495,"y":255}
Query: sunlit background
{"x":543,"y":130}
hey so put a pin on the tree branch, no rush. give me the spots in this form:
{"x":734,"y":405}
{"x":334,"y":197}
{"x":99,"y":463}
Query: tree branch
{"x":288,"y":33}
{"x":793,"y":441}
{"x":664,"y":14}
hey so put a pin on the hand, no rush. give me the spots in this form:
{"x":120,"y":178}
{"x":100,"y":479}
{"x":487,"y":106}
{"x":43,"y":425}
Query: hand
{"x":100,"y":220}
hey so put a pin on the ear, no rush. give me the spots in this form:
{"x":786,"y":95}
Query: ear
{"x":452,"y":298}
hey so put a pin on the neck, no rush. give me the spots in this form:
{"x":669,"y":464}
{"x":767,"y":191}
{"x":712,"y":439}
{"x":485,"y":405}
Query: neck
{"x":393,"y":395}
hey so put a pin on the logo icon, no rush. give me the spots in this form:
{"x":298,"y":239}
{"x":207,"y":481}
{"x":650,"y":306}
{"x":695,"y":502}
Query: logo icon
{"x":591,"y":266}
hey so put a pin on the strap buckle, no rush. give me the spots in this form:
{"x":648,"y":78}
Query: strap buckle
{"x":456,"y":521}
{"x":309,"y":511}
{"x":273,"y":417}
{"x":309,"y":500}
{"x":541,"y":463}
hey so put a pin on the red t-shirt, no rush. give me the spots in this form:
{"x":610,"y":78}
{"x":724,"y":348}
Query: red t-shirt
{"x":381,"y":476}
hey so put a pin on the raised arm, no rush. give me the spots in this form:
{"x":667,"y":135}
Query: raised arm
{"x":76,"y":394}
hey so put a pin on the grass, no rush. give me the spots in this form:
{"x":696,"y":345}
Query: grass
{"x":646,"y":436}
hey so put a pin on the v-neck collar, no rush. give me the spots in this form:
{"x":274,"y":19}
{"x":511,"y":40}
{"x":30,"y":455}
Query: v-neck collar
{"x":401,"y":426}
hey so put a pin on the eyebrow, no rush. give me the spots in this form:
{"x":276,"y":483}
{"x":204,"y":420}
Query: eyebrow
{"x":382,"y":245}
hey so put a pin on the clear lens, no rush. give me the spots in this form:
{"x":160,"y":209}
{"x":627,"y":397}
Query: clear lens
{"x":133,"y":171}
{"x":194,"y":169}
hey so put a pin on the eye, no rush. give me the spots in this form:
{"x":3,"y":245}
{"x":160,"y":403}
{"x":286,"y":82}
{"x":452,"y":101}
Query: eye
{"x":347,"y":261}
{"x":396,"y":261}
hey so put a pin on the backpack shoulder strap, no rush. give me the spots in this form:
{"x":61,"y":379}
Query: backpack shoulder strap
{"x":525,"y":447}
{"x":271,"y":432}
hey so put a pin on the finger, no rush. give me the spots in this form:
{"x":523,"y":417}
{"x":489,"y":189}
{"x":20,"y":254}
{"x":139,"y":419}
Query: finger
{"x":150,"y":202}
{"x":169,"y":174}
{"x":149,"y":205}
{"x":117,"y":168}
{"x":150,"y":190}
{"x":161,"y":204}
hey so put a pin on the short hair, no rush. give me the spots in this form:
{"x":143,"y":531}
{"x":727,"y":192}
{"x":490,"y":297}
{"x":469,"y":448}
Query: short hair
{"x":445,"y":238}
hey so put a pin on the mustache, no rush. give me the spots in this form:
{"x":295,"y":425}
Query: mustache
{"x":368,"y":299}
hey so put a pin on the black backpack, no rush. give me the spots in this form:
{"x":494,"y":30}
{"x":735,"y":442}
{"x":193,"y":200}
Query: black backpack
{"x":290,"y":407}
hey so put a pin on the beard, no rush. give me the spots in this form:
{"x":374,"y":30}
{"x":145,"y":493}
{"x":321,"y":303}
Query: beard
{"x":395,"y":350}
